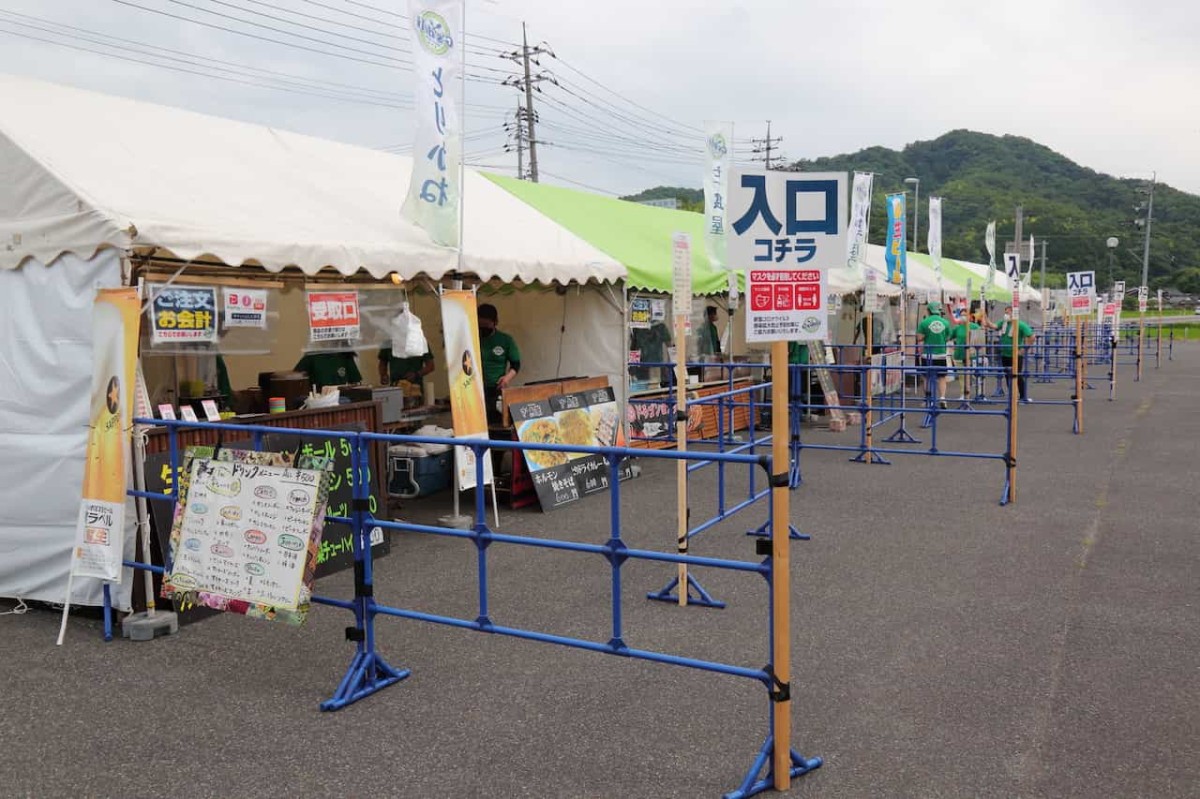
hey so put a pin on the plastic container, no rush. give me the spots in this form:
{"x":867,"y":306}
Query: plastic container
{"x":278,"y":404}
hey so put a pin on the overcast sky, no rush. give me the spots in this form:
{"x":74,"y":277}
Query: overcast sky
{"x":1109,"y":83}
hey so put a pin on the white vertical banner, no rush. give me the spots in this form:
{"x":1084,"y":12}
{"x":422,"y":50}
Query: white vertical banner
{"x":934,"y":237}
{"x":1029,"y":271}
{"x":435,"y":191}
{"x":860,"y":215}
{"x":989,"y":241}
{"x":718,"y":151}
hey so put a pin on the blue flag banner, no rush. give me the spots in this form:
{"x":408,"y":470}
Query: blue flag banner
{"x":895,"y":255}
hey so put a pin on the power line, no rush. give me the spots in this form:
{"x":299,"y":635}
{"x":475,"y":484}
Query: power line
{"x":592,"y":80}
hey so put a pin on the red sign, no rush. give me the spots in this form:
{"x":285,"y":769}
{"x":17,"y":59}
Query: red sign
{"x":785,"y":304}
{"x":333,"y":315}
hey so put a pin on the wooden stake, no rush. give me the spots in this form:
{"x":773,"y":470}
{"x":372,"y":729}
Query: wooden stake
{"x":1141,"y":340}
{"x":1079,"y":380}
{"x":1015,"y":342}
{"x":868,"y":384}
{"x":681,"y":490}
{"x":781,"y":569}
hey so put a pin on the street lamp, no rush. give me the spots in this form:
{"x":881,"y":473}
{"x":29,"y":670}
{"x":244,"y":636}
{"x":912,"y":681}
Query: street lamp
{"x":1112,"y":243}
{"x":916,"y":209}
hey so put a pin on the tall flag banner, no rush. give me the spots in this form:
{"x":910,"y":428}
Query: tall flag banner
{"x":1029,"y":271}
{"x":990,"y":242}
{"x":895,"y":255}
{"x":860,"y":215}
{"x":435,"y":190}
{"x":718,"y":149}
{"x":934,"y":239}
{"x":100,"y":530}
{"x":464,"y":368}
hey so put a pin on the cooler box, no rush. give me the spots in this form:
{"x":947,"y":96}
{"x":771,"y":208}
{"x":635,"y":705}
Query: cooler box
{"x":414,"y":472}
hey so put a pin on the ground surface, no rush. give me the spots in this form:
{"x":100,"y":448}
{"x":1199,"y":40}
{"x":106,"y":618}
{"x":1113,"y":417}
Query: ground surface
{"x":944,"y":646}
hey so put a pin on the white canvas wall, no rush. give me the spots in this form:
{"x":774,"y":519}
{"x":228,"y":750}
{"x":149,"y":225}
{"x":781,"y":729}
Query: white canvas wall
{"x":45,"y":380}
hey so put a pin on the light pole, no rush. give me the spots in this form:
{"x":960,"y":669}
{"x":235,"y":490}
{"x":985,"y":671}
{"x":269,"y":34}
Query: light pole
{"x":1146,"y":242}
{"x":916,"y":209}
{"x":1113,"y":242}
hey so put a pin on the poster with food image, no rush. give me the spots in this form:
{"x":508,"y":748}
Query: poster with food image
{"x":247,"y":533}
{"x":583,"y":419}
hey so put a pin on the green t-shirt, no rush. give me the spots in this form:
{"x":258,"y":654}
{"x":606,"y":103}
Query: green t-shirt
{"x":960,"y":335}
{"x":497,"y":352}
{"x":935,"y":331}
{"x":797,"y":352}
{"x":710,"y":339}
{"x":330,"y":368}
{"x":1024,"y":332}
{"x":399,"y":367}
{"x":652,"y":343}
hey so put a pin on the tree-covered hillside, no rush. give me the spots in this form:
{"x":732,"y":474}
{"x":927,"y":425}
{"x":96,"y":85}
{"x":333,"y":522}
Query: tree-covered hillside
{"x":983,"y":177}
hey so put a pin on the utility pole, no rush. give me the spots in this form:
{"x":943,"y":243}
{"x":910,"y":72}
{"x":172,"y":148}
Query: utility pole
{"x":520,"y":145}
{"x":526,"y":56}
{"x":1146,"y":242}
{"x":764,"y":147}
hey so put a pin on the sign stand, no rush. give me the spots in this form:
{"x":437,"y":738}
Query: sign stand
{"x":902,"y":436}
{"x":1013,"y":391}
{"x":869,"y":455}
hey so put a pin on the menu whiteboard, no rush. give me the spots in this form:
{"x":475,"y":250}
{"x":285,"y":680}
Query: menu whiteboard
{"x":246,"y":534}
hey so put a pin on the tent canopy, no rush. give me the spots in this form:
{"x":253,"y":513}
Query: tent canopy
{"x":639,"y":236}
{"x":84,"y":171}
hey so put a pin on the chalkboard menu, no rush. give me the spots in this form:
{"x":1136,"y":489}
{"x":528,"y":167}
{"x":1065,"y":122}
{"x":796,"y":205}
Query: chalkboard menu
{"x":337,"y":550}
{"x":585,"y":418}
{"x":246,"y":533}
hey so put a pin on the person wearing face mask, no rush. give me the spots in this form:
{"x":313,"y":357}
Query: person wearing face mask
{"x":501,"y":360}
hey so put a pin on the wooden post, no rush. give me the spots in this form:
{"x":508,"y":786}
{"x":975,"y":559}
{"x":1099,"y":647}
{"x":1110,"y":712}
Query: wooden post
{"x":681,"y":489}
{"x":1141,"y":339}
{"x":868,"y":383}
{"x":1014,"y":338}
{"x":1079,"y":366}
{"x":780,"y":566}
{"x":1158,"y":350}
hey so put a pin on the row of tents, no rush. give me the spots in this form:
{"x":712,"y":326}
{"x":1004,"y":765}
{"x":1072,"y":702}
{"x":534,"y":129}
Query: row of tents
{"x":94,"y":185}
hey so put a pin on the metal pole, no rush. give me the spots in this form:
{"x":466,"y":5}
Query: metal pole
{"x":916,"y":213}
{"x":1043,"y":287}
{"x":1079,"y":375}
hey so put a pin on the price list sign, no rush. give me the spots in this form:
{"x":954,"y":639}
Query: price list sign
{"x":586,"y":418}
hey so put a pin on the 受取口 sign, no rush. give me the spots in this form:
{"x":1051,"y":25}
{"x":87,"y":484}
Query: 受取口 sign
{"x":787,"y":230}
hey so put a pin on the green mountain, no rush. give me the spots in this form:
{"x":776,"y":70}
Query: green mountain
{"x":1074,"y":209}
{"x":689,"y":199}
{"x":983,"y":177}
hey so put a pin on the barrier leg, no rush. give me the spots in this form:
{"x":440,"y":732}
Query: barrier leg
{"x":108,"y":625}
{"x":902,"y":436}
{"x":368,"y":671}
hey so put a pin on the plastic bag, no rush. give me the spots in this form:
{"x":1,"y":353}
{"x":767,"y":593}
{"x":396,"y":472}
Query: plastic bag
{"x":408,"y":338}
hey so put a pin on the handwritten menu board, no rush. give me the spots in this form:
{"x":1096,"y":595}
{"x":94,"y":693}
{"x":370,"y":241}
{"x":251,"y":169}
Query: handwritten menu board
{"x":246,"y":534}
{"x":585,"y":418}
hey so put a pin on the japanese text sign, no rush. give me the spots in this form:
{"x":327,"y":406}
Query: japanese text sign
{"x":184,"y":314}
{"x":788,"y":229}
{"x":681,"y":271}
{"x":245,"y":308}
{"x":333,"y":316}
{"x":718,"y":148}
{"x":1081,"y":289}
{"x":1143,"y":298}
{"x":895,"y":254}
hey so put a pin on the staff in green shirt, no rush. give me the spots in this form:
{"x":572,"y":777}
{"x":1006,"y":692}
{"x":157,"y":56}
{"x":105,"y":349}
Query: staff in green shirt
{"x":961,"y":337}
{"x":330,"y":368}
{"x":932,"y":334}
{"x":392,"y":369}
{"x":1025,"y":336}
{"x":710,"y":337}
{"x":501,"y":360}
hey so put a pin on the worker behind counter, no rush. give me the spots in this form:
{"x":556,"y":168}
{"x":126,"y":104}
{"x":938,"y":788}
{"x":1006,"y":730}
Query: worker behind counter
{"x":501,"y":360}
{"x":392,"y":369}
{"x":330,"y":368}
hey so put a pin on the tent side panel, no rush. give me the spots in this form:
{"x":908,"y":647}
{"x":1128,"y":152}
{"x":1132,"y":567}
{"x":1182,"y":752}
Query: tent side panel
{"x":45,"y":382}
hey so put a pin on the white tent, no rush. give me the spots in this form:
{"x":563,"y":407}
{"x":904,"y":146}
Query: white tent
{"x":89,"y":181}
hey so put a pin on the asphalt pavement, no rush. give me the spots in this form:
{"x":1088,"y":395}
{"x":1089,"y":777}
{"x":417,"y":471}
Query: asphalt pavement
{"x":944,"y":646}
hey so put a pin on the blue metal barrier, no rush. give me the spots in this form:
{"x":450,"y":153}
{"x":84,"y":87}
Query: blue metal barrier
{"x":369,"y":672}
